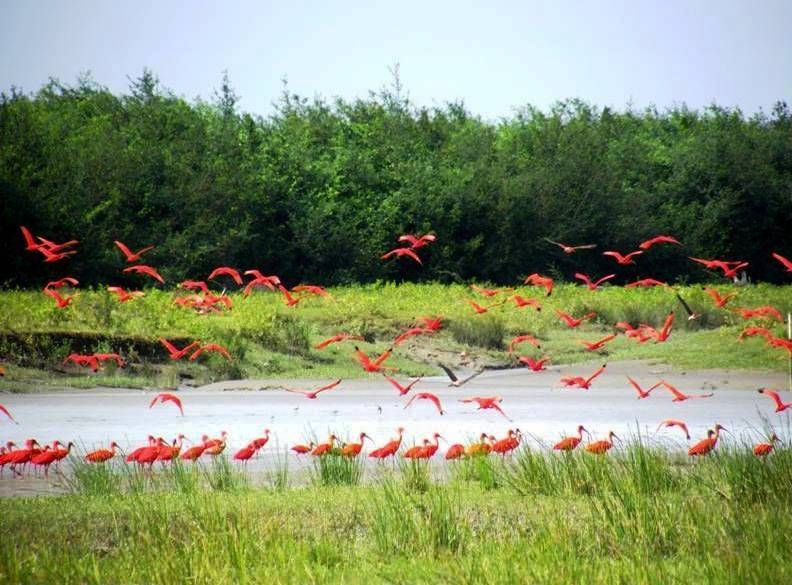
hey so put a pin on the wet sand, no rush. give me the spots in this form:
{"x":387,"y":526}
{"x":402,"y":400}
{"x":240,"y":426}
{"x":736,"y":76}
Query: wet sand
{"x":535,"y":402}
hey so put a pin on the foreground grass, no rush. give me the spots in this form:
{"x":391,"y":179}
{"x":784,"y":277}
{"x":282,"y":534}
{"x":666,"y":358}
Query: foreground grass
{"x":641,"y":517}
{"x":268,"y":339}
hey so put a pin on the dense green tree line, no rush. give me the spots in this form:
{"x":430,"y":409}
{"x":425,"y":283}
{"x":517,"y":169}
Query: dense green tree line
{"x":319,"y":190}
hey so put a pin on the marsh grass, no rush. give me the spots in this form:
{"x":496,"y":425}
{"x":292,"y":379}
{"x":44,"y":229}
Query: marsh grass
{"x":415,"y":474}
{"x":334,"y":469}
{"x":636,"y":515}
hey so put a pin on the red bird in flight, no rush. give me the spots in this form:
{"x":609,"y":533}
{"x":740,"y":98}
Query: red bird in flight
{"x":592,"y":285}
{"x":784,"y":261}
{"x":486,"y":402}
{"x":623,"y":260}
{"x":658,"y":240}
{"x":776,"y":397}
{"x":539,"y":280}
{"x":312,"y":394}
{"x":402,"y":390}
{"x":399,"y":252}
{"x":426,"y":396}
{"x":336,"y":339}
{"x":145,"y":269}
{"x":211,"y":347}
{"x":572,"y":321}
{"x":164,"y":397}
{"x":226,"y":271}
{"x":130,"y":255}
{"x":417,"y":241}
{"x":373,"y":365}
{"x":581,"y":382}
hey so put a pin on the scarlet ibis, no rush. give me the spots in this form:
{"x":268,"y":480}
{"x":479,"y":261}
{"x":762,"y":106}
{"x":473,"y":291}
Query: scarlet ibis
{"x":312,"y":394}
{"x":596,"y":345}
{"x":569,"y":443}
{"x":176,"y":353}
{"x":123,"y":295}
{"x":164,"y":397}
{"x":533,"y":364}
{"x":417,"y":242}
{"x":720,"y":301}
{"x":455,"y":451}
{"x":303,"y":449}
{"x":336,"y":339}
{"x":4,"y":410}
{"x":433,"y":323}
{"x":641,"y":392}
{"x":784,"y":261}
{"x":646,"y":282}
{"x":623,"y":259}
{"x":539,"y":280}
{"x":402,"y":252}
{"x":603,"y":446}
{"x":672,"y":422}
{"x":413,"y":331}
{"x":525,"y":338}
{"x":129,"y":254}
{"x":145,"y":269}
{"x":573,"y":321}
{"x":354,"y":449}
{"x":581,"y":382}
{"x":753,"y":331}
{"x":61,"y":302}
{"x":211,"y":347}
{"x":325,"y":448}
{"x":487,"y":402}
{"x":226,"y":271}
{"x":645,"y":245}
{"x":373,"y":365}
{"x":780,"y":406}
{"x":593,"y":285}
{"x":765,"y":311}
{"x":704,"y":446}
{"x":390,"y":448}
{"x":402,"y":390}
{"x":681,"y":396}
{"x":259,"y":442}
{"x":426,"y":396}
{"x":102,"y":455}
{"x":66,"y":280}
{"x":521,"y":302}
{"x":764,"y":449}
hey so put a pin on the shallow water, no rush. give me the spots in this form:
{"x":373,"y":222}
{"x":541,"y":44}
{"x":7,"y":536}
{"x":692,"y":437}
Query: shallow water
{"x":534,"y":402}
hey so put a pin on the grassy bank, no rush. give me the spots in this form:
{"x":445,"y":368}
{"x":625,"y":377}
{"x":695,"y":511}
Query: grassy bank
{"x":644,"y":516}
{"x":268,"y":339}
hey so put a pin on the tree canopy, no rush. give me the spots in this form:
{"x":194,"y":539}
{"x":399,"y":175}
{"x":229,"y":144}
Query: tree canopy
{"x":318,"y":190}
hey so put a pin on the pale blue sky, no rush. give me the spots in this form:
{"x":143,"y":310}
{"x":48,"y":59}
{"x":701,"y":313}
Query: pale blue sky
{"x":494,"y":56}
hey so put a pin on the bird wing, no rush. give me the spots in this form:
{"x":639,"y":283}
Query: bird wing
{"x":4,"y":410}
{"x":328,"y":386}
{"x":786,"y":262}
{"x":449,"y":373}
{"x":124,"y":249}
{"x":583,"y":277}
{"x":471,"y":376}
{"x":774,"y":395}
{"x":595,"y":374}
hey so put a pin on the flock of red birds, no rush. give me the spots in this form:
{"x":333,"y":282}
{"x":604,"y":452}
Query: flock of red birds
{"x":203,"y":301}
